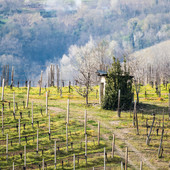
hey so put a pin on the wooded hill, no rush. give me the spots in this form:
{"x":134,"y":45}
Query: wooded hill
{"x":39,"y":31}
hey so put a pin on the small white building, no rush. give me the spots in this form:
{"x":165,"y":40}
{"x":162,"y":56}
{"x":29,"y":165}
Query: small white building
{"x":102,"y":75}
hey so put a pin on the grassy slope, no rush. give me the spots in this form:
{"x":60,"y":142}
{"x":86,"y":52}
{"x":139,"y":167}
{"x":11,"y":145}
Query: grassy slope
{"x":110,"y":123}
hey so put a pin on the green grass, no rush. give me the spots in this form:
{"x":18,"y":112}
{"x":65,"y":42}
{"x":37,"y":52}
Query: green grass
{"x":150,"y":103}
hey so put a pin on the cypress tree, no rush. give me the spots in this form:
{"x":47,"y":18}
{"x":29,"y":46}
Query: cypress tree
{"x":116,"y":79}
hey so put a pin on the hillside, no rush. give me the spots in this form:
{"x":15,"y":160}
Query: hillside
{"x":154,"y":54}
{"x":154,"y":60}
{"x":39,"y":32}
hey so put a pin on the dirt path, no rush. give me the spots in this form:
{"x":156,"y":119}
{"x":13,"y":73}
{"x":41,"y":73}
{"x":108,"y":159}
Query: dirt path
{"x":136,"y":152}
{"x":118,"y":151}
{"x":56,"y":109}
{"x":135,"y":155}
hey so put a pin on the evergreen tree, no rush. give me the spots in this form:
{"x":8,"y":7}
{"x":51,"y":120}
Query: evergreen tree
{"x":118,"y":78}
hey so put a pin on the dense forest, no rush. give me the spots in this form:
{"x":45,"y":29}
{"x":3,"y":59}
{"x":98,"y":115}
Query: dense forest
{"x":35,"y":33}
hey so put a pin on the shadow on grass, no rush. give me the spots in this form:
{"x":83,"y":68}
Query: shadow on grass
{"x":150,"y":109}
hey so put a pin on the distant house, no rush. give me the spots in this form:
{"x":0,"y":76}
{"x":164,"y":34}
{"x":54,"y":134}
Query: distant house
{"x":102,"y":75}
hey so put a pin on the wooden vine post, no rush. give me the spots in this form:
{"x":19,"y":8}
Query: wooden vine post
{"x":2,"y":119}
{"x":141,"y":165}
{"x":104,"y":158}
{"x":86,"y":148}
{"x":37,"y":140}
{"x":32,"y":122}
{"x":58,"y":77}
{"x":122,"y":168}
{"x":148,"y":137}
{"x":61,"y":84}
{"x":46,"y":103}
{"x":25,"y":156}
{"x":40,"y":83}
{"x":160,"y":150}
{"x":74,"y":162}
{"x":85,"y":122}
{"x":68,"y":110}
{"x":66,"y":137}
{"x":98,"y":133}
{"x":86,"y":145}
{"x":137,"y":128}
{"x":7,"y":146}
{"x":14,"y":102}
{"x":28,"y":91}
{"x":43,"y":164}
{"x":113,"y":145}
{"x":169,"y":104}
{"x":69,"y":86}
{"x":118,"y":109}
{"x":55,"y":161}
{"x":19,"y":132}
{"x":146,"y":126}
{"x":49,"y":127}
{"x":12,"y":77}
{"x":126,"y":158}
{"x":3,"y":82}
{"x":134,"y":113}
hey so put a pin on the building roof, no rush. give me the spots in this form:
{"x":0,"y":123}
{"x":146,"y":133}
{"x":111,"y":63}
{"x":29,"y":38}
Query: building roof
{"x":101,"y":73}
{"x":104,"y":73}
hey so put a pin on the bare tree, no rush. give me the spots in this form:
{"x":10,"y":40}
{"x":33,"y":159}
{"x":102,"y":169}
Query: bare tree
{"x":85,"y":67}
{"x":85,"y":61}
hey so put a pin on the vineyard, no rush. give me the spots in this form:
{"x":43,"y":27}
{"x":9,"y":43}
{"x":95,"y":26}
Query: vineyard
{"x":54,"y":131}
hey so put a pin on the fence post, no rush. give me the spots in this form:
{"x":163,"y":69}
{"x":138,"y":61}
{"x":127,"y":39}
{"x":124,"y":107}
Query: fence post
{"x":32,"y":115}
{"x":68,"y":110}
{"x":14,"y":102}
{"x":37,"y":140}
{"x":113,"y":145}
{"x":148,"y":137}
{"x":2,"y":119}
{"x":122,"y":168}
{"x":85,"y":121}
{"x":49,"y":127}
{"x":74,"y":162}
{"x":67,"y":136}
{"x":141,"y":165}
{"x":126,"y":158}
{"x":118,"y":109}
{"x":46,"y":103}
{"x":40,"y":83}
{"x":58,"y":77}
{"x":55,"y":162}
{"x":12,"y":77}
{"x":28,"y":95}
{"x":86,"y":145}
{"x":134,"y":113}
{"x":61,"y":84}
{"x":169,"y":104}
{"x":7,"y":146}
{"x":104,"y":159}
{"x":43,"y":164}
{"x":3,"y":81}
{"x":98,"y":133}
{"x":25,"y":156}
{"x":137,"y":128}
{"x":19,"y":132}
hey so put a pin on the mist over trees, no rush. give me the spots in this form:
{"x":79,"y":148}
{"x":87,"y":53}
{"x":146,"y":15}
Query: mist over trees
{"x":44,"y":30}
